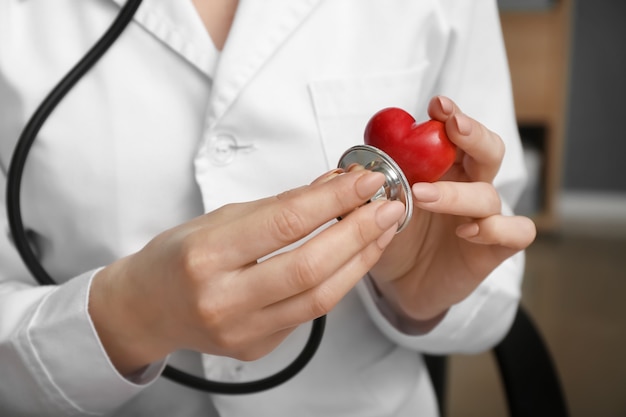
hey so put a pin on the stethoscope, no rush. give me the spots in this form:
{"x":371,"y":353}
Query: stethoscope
{"x":396,"y":187}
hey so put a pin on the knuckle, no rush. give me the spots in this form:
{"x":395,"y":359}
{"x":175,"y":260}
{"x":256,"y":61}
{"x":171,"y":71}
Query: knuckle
{"x":340,"y":198}
{"x":526,"y":232}
{"x":322,"y":301}
{"x":287,"y":225}
{"x":195,"y":260}
{"x":214,"y":318}
{"x":492,"y":198}
{"x":451,"y":196}
{"x":357,"y":224}
{"x":360,"y":233}
{"x":529,"y":233}
{"x":369,"y":256}
{"x":305,"y":273}
{"x":211,"y":313}
{"x":191,"y":259}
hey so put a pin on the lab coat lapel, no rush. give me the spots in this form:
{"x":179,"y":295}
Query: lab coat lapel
{"x":259,"y":29}
{"x":177,"y":25}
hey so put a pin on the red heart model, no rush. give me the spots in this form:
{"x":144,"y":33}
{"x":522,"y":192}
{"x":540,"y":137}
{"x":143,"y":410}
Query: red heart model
{"x":423,"y":151}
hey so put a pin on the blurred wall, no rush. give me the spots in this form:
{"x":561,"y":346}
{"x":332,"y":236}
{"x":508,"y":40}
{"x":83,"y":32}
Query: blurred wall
{"x":595,"y":144}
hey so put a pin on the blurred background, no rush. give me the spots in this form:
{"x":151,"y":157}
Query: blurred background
{"x":568,"y":65}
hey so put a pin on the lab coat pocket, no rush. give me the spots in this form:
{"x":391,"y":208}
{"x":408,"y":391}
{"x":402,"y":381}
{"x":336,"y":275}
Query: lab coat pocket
{"x":343,"y":106}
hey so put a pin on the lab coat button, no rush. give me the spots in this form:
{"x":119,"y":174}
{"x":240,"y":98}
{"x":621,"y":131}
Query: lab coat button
{"x":222,"y":149}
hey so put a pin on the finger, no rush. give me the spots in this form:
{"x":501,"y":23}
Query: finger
{"x":321,"y":299}
{"x":247,"y":339}
{"x":482,"y":149}
{"x":319,"y":258}
{"x":288,"y":217}
{"x":329,"y":176}
{"x":253,"y":341}
{"x":266,"y":343}
{"x":471,"y":199}
{"x":441,"y":108}
{"x":513,"y":232}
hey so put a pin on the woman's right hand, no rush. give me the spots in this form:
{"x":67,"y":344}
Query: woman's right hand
{"x":199,"y":286}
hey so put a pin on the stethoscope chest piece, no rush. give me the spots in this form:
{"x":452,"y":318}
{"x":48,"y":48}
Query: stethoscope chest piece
{"x":396,"y":185}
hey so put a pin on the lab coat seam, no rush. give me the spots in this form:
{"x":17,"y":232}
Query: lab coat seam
{"x":453,"y":323}
{"x":89,"y":380}
{"x":4,"y":29}
{"x":359,"y":87}
{"x":485,"y":292}
{"x":53,"y":390}
{"x":163,"y":29}
{"x":231,"y":84}
{"x":318,"y":125}
{"x":343,"y":103}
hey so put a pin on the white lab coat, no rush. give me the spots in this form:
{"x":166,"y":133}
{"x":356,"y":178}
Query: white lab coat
{"x":157,"y":134}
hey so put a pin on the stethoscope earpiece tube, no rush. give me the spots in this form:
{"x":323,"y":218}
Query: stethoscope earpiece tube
{"x":248,"y":387}
{"x":20,"y":239}
{"x":30,"y":131}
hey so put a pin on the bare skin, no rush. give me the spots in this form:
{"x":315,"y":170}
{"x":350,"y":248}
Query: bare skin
{"x":198,"y":286}
{"x":468,"y":237}
{"x":217,"y":16}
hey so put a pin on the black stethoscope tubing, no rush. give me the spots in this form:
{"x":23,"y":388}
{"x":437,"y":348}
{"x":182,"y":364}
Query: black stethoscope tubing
{"x":21,"y":241}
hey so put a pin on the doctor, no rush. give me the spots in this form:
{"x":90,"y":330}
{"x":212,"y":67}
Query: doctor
{"x":156,"y":194}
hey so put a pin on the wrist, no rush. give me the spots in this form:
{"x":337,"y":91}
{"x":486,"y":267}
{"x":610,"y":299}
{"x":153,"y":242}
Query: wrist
{"x":120,"y":321}
{"x":407,"y":320}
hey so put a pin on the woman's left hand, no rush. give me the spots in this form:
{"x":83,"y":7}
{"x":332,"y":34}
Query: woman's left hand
{"x":457,"y":234}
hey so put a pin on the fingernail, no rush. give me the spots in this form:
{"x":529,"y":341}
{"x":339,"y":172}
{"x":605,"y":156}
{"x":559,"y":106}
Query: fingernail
{"x":355,"y":167}
{"x":386,"y":237}
{"x":388,"y":214}
{"x":328,"y":176}
{"x":467,"y":230}
{"x":369,"y":183}
{"x":446,"y":105}
{"x":463,"y":124}
{"x":425,"y":192}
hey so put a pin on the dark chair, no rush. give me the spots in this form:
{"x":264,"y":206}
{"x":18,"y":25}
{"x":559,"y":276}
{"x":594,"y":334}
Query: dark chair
{"x":530,"y":379}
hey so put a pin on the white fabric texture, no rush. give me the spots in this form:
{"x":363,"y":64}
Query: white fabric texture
{"x":165,"y":128}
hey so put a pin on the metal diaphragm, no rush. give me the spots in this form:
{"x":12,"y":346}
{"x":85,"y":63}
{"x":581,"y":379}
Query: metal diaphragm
{"x":396,"y":185}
